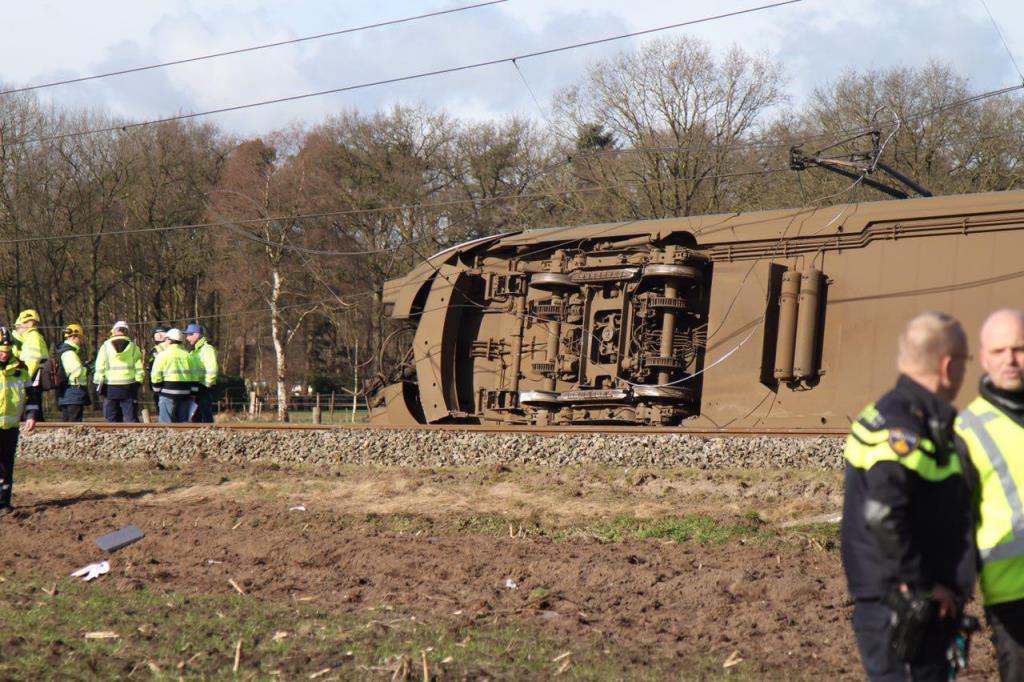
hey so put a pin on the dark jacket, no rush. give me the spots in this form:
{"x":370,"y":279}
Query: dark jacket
{"x":907,"y":514}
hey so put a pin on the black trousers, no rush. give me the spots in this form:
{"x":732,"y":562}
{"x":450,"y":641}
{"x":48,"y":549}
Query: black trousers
{"x":872,"y":630}
{"x":34,"y":403}
{"x":204,"y":406}
{"x":1007,"y":623}
{"x":71,"y":413}
{"x":8,"y":446}
{"x":120,"y":410}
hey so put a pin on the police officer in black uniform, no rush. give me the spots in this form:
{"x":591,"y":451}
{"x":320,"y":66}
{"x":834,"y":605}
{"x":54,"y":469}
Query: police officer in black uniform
{"x":907,"y":544}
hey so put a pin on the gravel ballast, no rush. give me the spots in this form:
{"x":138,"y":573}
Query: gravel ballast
{"x":430,"y":448}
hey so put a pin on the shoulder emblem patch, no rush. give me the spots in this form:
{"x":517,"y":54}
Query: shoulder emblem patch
{"x":902,"y":441}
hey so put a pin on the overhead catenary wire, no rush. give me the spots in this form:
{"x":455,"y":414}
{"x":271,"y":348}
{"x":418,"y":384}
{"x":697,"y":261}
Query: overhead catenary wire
{"x":799,"y":140}
{"x":357,"y":211}
{"x":409,"y":77}
{"x":492,"y":199}
{"x":252,"y":48}
{"x":999,"y":33}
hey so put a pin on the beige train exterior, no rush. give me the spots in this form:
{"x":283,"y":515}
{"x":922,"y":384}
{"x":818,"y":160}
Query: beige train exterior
{"x":480,"y":354}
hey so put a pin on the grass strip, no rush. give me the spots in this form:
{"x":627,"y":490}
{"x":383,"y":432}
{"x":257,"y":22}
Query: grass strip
{"x":92,"y":631}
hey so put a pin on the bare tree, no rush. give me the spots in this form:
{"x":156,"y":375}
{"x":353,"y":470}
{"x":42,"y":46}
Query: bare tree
{"x":928,"y":133}
{"x":679,"y":110}
{"x":262,"y":188}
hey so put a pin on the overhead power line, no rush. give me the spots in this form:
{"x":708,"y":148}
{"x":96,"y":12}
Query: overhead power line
{"x":1000,"y":34}
{"x":410,"y":77}
{"x":357,"y":211}
{"x":510,"y":197}
{"x":800,"y":139}
{"x":253,"y":48}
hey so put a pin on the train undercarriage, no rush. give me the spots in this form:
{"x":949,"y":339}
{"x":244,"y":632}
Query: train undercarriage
{"x":780,"y":318}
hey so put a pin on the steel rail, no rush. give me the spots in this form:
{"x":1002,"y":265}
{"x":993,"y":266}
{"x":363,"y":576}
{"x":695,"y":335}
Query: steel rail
{"x":469,"y":428}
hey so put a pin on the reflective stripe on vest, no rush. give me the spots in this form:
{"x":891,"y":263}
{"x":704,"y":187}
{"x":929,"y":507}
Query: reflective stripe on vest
{"x":206,"y":357}
{"x":119,"y":369}
{"x":73,"y":367}
{"x":866,"y":448}
{"x":174,"y":366}
{"x":976,"y":424}
{"x":991,"y":435}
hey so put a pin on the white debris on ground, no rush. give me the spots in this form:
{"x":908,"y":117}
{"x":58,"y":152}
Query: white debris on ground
{"x":389,"y":447}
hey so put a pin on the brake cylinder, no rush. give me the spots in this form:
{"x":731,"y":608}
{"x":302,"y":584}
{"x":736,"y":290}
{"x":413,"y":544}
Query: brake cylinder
{"x":786,"y":336}
{"x":805,"y":353}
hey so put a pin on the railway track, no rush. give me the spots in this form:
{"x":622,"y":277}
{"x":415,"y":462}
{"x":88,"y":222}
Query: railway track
{"x":469,"y":428}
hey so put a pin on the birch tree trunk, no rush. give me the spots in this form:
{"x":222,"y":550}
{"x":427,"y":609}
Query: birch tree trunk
{"x":277,"y":332}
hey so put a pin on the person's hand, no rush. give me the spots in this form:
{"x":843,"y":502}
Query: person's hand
{"x":946,"y":600}
{"x":943,"y":597}
{"x":30,"y":425}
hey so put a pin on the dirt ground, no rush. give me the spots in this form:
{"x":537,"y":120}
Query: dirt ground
{"x":696,"y":575}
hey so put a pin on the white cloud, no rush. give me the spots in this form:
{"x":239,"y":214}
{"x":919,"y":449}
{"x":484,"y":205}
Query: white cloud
{"x":815,"y":41}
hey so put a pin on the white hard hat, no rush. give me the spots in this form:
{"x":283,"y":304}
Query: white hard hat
{"x":175,"y":335}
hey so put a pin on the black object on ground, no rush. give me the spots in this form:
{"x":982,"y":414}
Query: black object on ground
{"x":121,"y":538}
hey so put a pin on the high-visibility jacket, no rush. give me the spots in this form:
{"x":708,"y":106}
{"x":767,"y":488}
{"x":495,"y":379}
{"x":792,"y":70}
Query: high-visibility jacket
{"x":207,"y":357}
{"x":31,"y":349}
{"x":122,"y":368}
{"x":76,"y":372}
{"x":13,"y":378}
{"x":153,"y":352}
{"x":907,"y":506}
{"x":75,"y":391}
{"x":996,"y":445}
{"x":174,"y":372}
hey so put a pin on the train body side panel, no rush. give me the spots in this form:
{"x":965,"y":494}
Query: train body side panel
{"x":871,"y":294}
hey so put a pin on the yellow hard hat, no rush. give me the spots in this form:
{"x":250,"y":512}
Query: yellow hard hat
{"x":73,"y":330}
{"x":27,"y":316}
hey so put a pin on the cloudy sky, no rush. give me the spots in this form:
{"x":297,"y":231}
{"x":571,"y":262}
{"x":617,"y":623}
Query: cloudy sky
{"x":815,"y":40}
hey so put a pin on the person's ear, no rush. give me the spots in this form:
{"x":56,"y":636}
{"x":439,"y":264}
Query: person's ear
{"x":944,"y":370}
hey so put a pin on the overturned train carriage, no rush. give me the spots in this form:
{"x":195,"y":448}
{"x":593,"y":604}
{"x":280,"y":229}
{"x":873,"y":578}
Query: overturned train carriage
{"x":778,"y":319}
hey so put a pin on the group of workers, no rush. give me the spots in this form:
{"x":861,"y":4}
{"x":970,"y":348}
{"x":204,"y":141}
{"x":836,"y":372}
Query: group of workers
{"x":182,"y":379}
{"x":934,"y":500}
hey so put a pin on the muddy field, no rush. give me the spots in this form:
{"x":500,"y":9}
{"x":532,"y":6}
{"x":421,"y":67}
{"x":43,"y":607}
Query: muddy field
{"x":487,"y":572}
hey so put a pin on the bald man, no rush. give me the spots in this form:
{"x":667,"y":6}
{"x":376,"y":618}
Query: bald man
{"x":993,"y":428}
{"x":906,"y":530}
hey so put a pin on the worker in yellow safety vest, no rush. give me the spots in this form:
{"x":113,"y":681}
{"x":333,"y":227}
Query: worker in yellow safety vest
{"x":174,"y":377}
{"x":118,"y":374}
{"x":73,"y":377}
{"x":13,"y":378}
{"x":30,"y":347}
{"x":992,"y":426}
{"x":206,"y":356}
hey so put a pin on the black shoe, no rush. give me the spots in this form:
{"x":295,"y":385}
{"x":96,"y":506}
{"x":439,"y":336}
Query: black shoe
{"x":6,"y":509}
